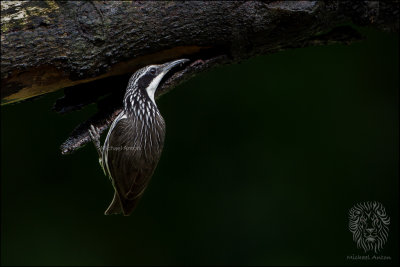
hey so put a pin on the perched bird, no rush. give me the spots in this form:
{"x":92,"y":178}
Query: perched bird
{"x":135,"y":139}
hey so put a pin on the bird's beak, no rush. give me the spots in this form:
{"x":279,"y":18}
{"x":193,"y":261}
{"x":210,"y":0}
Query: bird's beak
{"x":169,"y":65}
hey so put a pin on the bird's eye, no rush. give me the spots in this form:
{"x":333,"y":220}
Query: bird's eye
{"x":153,"y":71}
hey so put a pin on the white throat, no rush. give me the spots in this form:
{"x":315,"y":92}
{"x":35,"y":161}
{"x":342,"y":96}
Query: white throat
{"x":151,"y":89}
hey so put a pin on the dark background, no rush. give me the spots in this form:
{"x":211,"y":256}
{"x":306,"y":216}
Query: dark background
{"x":262,"y":162}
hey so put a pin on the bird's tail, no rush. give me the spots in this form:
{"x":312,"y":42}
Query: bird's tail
{"x":115,"y":206}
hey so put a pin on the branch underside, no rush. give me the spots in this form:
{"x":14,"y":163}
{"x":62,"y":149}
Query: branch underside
{"x":78,"y":45}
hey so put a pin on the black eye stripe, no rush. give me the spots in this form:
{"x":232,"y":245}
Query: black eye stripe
{"x":145,"y":80}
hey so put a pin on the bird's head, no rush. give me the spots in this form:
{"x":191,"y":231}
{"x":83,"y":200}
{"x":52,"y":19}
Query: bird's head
{"x":146,"y":80}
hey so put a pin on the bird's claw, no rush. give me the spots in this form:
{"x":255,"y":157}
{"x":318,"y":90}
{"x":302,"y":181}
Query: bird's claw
{"x":94,"y":135}
{"x":197,"y":62}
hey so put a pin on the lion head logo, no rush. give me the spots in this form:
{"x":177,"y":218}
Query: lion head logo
{"x":369,"y":224}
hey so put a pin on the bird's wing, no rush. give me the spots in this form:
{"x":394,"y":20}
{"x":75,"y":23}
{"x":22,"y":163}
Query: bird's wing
{"x":121,"y":116}
{"x":129,"y":164}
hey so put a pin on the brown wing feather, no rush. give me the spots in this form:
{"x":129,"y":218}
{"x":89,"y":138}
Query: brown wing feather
{"x":133,"y":153}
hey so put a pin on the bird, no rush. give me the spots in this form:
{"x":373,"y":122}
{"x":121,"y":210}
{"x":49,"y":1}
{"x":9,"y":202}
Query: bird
{"x":135,"y":139}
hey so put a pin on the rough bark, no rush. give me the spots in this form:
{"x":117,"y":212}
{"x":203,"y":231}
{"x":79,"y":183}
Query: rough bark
{"x":50,"y":45}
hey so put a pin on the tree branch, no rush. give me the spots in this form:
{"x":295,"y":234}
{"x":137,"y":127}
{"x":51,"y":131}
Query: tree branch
{"x":50,"y":45}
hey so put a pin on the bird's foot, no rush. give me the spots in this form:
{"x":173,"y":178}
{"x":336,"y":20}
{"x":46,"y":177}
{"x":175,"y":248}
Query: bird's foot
{"x":95,"y":136}
{"x":197,"y":62}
